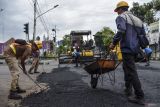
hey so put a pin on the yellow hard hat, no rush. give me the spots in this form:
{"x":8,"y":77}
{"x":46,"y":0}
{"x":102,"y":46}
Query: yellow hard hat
{"x":39,"y":44}
{"x":121,"y":4}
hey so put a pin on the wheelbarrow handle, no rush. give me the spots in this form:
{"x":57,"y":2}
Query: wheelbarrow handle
{"x":118,"y":64}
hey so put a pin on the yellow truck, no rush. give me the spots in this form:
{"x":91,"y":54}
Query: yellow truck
{"x":77,"y":39}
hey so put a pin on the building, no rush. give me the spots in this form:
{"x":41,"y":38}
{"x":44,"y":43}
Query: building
{"x":154,"y":38}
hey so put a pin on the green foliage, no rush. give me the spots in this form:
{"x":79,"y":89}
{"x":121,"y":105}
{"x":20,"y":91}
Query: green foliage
{"x":108,"y":34}
{"x":149,"y":17}
{"x":138,"y":10}
{"x":98,"y":39}
{"x":156,"y":4}
{"x":66,"y":40}
{"x":61,"y":49}
{"x":104,"y":37}
{"x":66,"y":45}
{"x":147,"y":11}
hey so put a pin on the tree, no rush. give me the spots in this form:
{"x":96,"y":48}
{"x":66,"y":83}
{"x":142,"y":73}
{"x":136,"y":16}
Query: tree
{"x":108,"y":34}
{"x":60,"y":49}
{"x":138,"y":10}
{"x":67,"y":40}
{"x":66,"y":45}
{"x":149,"y":17}
{"x":156,"y":5}
{"x":98,"y":39}
{"x":144,"y":12}
{"x":104,"y":37}
{"x":147,"y":11}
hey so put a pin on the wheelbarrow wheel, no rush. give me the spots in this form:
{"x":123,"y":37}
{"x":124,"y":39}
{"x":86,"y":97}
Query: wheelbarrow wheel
{"x":94,"y":81}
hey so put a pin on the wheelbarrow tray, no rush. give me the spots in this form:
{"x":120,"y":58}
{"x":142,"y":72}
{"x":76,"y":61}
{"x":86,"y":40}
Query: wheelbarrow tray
{"x":100,"y":67}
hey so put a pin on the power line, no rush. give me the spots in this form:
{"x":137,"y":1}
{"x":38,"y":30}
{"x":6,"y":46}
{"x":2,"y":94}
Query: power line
{"x":30,"y":3}
{"x":31,"y":7}
{"x":41,"y":18}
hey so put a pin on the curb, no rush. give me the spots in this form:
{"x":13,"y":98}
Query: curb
{"x":41,"y":63}
{"x":44,"y":63}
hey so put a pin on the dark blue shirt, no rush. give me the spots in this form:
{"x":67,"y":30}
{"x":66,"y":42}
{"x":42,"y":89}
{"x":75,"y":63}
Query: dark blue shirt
{"x":127,"y":34}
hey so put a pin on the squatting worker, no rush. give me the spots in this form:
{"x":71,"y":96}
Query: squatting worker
{"x":35,"y":55}
{"x":127,"y":36}
{"x":148,"y":53}
{"x":12,"y":54}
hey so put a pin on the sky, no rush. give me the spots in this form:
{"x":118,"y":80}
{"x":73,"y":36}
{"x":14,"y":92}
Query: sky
{"x":69,"y":15}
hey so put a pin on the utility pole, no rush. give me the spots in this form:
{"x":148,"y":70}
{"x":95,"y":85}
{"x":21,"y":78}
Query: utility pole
{"x":35,"y":18}
{"x":34,"y":26}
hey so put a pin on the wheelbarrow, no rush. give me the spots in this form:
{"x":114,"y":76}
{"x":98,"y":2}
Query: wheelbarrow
{"x":99,"y":67}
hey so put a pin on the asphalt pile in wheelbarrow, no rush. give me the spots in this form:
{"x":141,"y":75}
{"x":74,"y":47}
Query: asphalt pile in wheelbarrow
{"x":68,"y":90}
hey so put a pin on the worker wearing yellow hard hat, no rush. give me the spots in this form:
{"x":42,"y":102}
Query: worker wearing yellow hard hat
{"x":121,"y":4}
{"x":39,"y":44}
{"x":128,"y":27}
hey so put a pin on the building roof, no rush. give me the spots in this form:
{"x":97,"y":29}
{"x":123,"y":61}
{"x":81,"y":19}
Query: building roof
{"x":80,"y":32}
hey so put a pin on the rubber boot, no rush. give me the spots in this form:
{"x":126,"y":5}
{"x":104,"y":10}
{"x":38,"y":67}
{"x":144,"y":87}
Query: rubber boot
{"x":36,"y":72}
{"x":136,"y":100}
{"x":14,"y":95}
{"x":76,"y":59}
{"x":19,"y":90}
{"x":30,"y":71}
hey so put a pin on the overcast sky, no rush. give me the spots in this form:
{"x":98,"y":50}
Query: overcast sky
{"x":69,"y":15}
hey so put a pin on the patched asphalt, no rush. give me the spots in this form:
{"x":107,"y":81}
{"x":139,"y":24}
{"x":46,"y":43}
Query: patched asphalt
{"x":68,"y":90}
{"x":69,"y":86}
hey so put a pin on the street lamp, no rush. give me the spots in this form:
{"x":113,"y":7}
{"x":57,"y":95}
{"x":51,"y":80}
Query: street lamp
{"x":34,"y":30}
{"x":47,"y":11}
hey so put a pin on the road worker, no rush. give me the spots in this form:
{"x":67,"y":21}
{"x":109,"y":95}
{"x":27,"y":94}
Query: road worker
{"x":35,"y":56}
{"x":76,"y":53}
{"x":148,"y":52}
{"x":127,"y":35}
{"x":12,"y":53}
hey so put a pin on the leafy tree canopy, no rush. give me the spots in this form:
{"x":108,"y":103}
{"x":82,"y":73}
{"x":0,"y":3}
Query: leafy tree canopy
{"x":104,"y":37}
{"x":66,"y":45}
{"x":147,"y":11}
